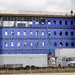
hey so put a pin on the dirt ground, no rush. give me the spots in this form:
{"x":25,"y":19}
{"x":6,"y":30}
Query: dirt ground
{"x":43,"y":74}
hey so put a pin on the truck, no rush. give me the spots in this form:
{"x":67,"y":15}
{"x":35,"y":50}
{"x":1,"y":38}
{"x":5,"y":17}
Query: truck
{"x":65,"y":57}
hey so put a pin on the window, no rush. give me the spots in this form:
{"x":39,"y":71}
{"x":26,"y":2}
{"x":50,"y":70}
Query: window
{"x":49,"y":33}
{"x":61,"y":44}
{"x":24,"y":44}
{"x":18,"y":33}
{"x":66,"y":33}
{"x":55,"y":44}
{"x":65,"y":22}
{"x":49,"y":22}
{"x":72,"y":43}
{"x":18,"y":44}
{"x":24,"y":33}
{"x":43,"y":33}
{"x":30,"y":22}
{"x":60,"y":22}
{"x":42,"y":22}
{"x":31,"y":44}
{"x":54,"y":32}
{"x":36,"y":32}
{"x":6,"y":44}
{"x":37,"y":22}
{"x":31,"y":33}
{"x":71,"y":22}
{"x":63,"y":59}
{"x":54,"y":22}
{"x":12,"y":44}
{"x":72,"y":33}
{"x":43,"y":44}
{"x":6,"y":33}
{"x":60,"y":33}
{"x":12,"y":32}
{"x":37,"y":44}
{"x":66,"y":43}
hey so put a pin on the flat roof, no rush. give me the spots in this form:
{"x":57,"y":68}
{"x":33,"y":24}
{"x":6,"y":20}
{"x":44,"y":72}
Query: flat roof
{"x":35,"y":14}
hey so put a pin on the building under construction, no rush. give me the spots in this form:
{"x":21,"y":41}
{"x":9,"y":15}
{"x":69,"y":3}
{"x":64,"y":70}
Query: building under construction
{"x":33,"y":33}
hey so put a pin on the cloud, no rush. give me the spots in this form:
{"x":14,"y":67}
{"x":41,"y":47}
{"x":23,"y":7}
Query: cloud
{"x":38,"y":5}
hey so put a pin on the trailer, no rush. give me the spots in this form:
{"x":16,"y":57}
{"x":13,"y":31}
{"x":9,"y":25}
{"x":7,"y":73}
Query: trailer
{"x":23,"y":60}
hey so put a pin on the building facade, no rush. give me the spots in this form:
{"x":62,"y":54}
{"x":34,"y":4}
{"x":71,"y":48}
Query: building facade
{"x":27,"y":34}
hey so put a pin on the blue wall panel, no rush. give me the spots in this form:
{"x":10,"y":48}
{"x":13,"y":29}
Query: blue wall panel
{"x":64,"y":34}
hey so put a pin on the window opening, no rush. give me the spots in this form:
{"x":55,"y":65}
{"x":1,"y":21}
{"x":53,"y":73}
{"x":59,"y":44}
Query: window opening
{"x":18,"y":44}
{"x":31,"y":33}
{"x":72,"y":44}
{"x":6,"y":44}
{"x":12,"y":44}
{"x":55,"y":44}
{"x":36,"y":32}
{"x":43,"y":33}
{"x":66,"y":43}
{"x":37,"y":44}
{"x":25,"y":33}
{"x":54,"y":32}
{"x":43,"y":44}
{"x":61,"y":44}
{"x":12,"y":32}
{"x":6,"y":33}
{"x":18,"y":33}
{"x":24,"y":44}
{"x":60,"y":33}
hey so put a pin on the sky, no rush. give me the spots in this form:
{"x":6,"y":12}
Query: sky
{"x":38,"y":5}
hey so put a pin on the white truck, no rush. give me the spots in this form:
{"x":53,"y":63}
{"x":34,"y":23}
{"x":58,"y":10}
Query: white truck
{"x":65,"y":57}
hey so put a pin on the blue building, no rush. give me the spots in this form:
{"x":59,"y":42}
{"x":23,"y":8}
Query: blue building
{"x":28,"y":34}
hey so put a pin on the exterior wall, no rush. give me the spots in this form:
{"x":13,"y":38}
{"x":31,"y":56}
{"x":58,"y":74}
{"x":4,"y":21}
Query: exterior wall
{"x":62,"y":35}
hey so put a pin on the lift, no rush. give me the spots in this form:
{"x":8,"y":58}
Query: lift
{"x":48,"y":35}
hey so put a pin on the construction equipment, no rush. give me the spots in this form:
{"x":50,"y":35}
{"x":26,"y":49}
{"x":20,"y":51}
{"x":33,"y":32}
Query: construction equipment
{"x":48,"y":34}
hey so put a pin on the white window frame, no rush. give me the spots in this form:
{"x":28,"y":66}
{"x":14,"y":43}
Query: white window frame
{"x":6,"y":44}
{"x":18,"y":33}
{"x":37,"y":22}
{"x":25,"y":44}
{"x":49,"y":22}
{"x":43,"y":44}
{"x":31,"y":44}
{"x":6,"y":33}
{"x":24,"y":33}
{"x":31,"y":33}
{"x":43,"y":33}
{"x":49,"y":33}
{"x":12,"y":44}
{"x":12,"y":32}
{"x":18,"y":44}
{"x":43,"y":23}
{"x":37,"y":32}
{"x":30,"y":22}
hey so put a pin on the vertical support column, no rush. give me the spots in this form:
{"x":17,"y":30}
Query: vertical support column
{"x":15,"y":21}
{"x":1,"y":21}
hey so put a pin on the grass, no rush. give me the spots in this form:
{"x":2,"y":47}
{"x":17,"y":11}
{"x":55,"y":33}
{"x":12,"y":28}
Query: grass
{"x":50,"y":70}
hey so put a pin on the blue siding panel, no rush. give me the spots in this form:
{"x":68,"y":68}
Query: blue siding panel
{"x":63,"y":34}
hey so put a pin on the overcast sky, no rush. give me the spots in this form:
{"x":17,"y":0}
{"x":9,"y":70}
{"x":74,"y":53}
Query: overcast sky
{"x":38,"y":5}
